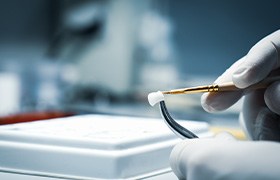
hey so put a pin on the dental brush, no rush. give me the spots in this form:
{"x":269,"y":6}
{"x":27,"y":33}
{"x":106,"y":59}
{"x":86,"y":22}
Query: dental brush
{"x":223,"y":87}
{"x":182,"y":132}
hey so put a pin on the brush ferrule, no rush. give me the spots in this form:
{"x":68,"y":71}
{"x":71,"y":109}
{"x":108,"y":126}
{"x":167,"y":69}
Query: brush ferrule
{"x":213,"y":88}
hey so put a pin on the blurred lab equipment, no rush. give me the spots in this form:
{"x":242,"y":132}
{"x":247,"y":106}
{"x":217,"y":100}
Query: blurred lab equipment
{"x":10,"y":88}
{"x":157,"y":52}
{"x":106,"y":55}
{"x":120,"y":51}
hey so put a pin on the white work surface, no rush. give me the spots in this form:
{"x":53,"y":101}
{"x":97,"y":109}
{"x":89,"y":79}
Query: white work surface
{"x":90,"y":147}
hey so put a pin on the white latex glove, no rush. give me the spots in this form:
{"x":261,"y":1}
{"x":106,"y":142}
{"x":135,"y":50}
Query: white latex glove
{"x":261,"y":108}
{"x":212,"y":159}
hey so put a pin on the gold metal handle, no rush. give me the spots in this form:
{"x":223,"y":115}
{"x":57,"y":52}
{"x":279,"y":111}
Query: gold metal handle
{"x":191,"y":90}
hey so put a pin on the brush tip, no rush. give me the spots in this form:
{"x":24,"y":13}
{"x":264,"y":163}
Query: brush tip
{"x":155,"y":97}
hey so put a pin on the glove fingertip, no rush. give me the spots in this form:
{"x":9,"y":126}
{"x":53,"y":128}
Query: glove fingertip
{"x":206,"y":103}
{"x":214,"y":102}
{"x":241,"y":77}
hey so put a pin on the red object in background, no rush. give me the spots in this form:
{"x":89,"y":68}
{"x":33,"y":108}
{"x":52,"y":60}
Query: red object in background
{"x":32,"y":116}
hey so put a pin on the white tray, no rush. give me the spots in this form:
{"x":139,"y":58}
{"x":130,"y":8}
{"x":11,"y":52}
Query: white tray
{"x":90,"y":147}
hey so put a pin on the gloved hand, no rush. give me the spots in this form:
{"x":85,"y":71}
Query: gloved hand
{"x":211,"y":159}
{"x":261,"y":108}
{"x":223,"y":159}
